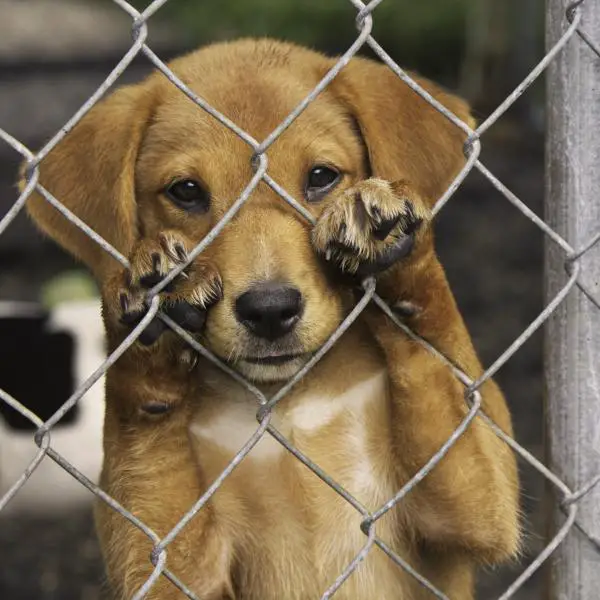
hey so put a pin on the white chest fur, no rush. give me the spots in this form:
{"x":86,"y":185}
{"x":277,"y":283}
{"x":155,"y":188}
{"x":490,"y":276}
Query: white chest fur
{"x":235,"y":422}
{"x":343,"y":434}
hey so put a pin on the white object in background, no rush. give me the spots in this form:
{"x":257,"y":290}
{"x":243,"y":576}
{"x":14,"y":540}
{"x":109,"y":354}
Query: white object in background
{"x":51,"y":488}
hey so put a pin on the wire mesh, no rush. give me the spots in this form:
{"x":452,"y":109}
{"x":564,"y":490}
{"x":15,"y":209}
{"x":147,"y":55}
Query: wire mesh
{"x":574,"y":33}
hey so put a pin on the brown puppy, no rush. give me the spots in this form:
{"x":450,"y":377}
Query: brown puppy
{"x":152,"y":173}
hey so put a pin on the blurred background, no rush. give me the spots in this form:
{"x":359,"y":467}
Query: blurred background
{"x":53,"y":55}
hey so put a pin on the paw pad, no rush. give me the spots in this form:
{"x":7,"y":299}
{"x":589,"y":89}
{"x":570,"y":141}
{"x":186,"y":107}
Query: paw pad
{"x":185,"y":299}
{"x":369,"y":228}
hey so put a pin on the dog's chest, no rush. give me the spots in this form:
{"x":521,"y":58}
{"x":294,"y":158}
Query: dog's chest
{"x":343,"y":434}
{"x":279,"y":508}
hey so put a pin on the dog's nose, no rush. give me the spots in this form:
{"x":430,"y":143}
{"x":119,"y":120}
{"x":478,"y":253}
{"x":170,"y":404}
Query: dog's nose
{"x":269,"y":310}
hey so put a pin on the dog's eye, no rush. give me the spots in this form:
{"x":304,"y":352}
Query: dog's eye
{"x":320,"y":180}
{"x":189,"y":195}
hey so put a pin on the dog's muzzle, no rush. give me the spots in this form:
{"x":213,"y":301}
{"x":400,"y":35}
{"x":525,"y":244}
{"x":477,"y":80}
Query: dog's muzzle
{"x":269,"y":310}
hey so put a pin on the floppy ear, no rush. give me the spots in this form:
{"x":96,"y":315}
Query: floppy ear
{"x":91,"y":171}
{"x":405,"y":136}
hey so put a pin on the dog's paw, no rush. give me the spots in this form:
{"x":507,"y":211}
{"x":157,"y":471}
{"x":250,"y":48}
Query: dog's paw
{"x":370,"y":227}
{"x":185,"y":299}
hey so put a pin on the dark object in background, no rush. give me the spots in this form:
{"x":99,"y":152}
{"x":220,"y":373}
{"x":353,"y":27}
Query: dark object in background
{"x":36,"y":368}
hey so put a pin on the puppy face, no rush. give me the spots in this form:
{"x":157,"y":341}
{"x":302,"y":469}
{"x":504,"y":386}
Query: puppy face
{"x":149,"y":159}
{"x":279,"y":306}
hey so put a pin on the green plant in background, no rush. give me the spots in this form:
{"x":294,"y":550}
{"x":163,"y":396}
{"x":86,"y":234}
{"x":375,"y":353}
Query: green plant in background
{"x":416,"y":34}
{"x":69,"y":286}
{"x":480,"y":48}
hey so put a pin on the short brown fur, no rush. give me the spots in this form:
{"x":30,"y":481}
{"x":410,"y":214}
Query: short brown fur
{"x":370,"y":414}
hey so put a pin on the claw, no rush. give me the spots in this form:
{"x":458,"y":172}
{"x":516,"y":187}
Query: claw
{"x":360,"y":211}
{"x":124,"y":302}
{"x":385,"y":227}
{"x":149,"y":281}
{"x":181,"y":253}
{"x":156,"y":262}
{"x":376,"y":215}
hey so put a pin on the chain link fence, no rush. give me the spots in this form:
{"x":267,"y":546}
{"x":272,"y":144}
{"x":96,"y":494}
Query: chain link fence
{"x":573,"y":32}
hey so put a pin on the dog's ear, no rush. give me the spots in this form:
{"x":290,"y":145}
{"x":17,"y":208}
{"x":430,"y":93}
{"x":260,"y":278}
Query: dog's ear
{"x":406,"y":138}
{"x":91,"y":171}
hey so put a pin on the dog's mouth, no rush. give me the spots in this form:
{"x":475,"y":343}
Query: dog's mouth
{"x":274,"y":359}
{"x":270,"y":367}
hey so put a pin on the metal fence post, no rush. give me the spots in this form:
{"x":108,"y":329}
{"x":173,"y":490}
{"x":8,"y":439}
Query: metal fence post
{"x":572,"y":351}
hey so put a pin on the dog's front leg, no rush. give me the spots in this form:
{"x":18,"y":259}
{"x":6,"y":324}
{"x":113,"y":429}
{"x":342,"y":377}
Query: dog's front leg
{"x":149,"y":465}
{"x":470,"y":499}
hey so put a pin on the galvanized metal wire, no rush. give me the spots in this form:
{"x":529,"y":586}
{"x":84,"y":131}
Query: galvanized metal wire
{"x":365,"y":14}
